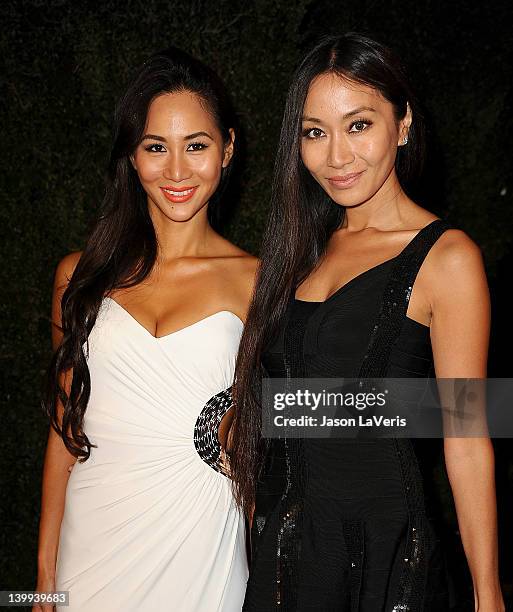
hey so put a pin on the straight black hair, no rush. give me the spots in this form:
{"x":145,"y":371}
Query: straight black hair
{"x":301,"y":222}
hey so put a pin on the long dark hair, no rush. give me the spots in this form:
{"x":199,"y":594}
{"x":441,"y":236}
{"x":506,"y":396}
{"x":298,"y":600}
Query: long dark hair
{"x":302,"y":220}
{"x":122,"y":247}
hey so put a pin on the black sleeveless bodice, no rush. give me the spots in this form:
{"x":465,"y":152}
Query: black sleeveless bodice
{"x":344,"y":524}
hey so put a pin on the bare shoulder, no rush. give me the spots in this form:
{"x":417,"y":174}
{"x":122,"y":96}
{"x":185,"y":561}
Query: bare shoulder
{"x":245,"y":264}
{"x":241,"y":270}
{"x":65,"y":269}
{"x":456,"y":252}
{"x":237,"y":262}
{"x":455,"y":264}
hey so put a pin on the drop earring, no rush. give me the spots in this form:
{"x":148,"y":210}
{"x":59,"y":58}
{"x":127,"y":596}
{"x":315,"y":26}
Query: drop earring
{"x":405,"y":140}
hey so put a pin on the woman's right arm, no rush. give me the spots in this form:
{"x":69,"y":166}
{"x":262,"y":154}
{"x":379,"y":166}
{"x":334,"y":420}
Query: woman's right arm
{"x":58,"y":460}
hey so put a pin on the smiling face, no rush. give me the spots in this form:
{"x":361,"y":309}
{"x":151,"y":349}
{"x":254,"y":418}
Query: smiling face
{"x":350,"y":138}
{"x":180,"y":157}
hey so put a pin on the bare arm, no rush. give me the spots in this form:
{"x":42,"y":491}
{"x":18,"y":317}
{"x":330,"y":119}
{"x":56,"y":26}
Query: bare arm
{"x":58,"y":460}
{"x":460,"y":332}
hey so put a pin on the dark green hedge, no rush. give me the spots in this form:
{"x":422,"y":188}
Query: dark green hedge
{"x":64,"y":64}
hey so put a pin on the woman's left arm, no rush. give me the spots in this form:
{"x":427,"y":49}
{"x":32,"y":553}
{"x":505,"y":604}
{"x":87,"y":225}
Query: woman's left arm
{"x":460,"y":326}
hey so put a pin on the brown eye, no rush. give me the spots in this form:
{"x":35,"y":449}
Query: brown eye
{"x":359,"y":126}
{"x":313,"y":133}
{"x":196,"y":146}
{"x":155,"y":148}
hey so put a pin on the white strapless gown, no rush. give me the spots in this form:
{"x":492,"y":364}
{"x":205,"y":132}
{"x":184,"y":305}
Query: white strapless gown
{"x":150,"y":523}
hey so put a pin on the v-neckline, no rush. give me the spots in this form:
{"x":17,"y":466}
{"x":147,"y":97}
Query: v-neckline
{"x":177,"y":331}
{"x":351,"y":281}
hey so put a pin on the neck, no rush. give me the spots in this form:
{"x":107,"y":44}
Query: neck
{"x":386,"y":210}
{"x":177,"y":239}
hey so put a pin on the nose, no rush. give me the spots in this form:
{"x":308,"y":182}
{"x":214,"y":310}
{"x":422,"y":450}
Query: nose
{"x":340,"y":152}
{"x":177,"y":167}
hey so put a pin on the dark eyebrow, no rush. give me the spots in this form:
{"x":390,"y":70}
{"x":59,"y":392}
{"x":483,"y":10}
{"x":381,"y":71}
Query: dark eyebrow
{"x":359,"y":110}
{"x":311,"y":119}
{"x":352,"y":113}
{"x":189,"y":137}
{"x":196,"y":134}
{"x":153,"y":137}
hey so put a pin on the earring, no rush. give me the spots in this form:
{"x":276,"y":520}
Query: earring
{"x":405,"y":140}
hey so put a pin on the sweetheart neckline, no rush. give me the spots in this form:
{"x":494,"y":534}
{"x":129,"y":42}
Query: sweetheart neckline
{"x":177,"y":331}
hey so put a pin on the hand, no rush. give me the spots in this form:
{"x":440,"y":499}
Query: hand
{"x":46,"y":585}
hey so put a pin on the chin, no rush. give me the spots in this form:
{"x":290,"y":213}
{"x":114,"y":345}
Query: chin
{"x":180,"y":212}
{"x":181,"y":217}
{"x":350,"y":198}
{"x":347,"y":200}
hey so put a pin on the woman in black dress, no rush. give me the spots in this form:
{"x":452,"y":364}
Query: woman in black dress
{"x":357,"y":280}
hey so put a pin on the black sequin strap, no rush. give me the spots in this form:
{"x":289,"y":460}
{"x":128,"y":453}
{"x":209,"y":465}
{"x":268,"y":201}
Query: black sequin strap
{"x":396,"y":299}
{"x":409,"y":593}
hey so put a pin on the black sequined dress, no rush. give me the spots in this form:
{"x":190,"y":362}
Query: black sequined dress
{"x":345,"y":524}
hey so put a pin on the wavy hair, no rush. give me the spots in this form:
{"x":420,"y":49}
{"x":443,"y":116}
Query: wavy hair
{"x":122,"y":247}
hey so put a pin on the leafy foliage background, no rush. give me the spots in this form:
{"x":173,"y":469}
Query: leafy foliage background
{"x":65,"y":63}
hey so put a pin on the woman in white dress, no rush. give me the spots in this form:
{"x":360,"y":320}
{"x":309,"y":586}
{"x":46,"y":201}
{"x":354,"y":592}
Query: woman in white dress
{"x":146,"y":326}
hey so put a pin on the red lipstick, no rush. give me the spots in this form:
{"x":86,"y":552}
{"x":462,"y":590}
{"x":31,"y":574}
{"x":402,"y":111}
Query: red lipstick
{"x":178,"y":194}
